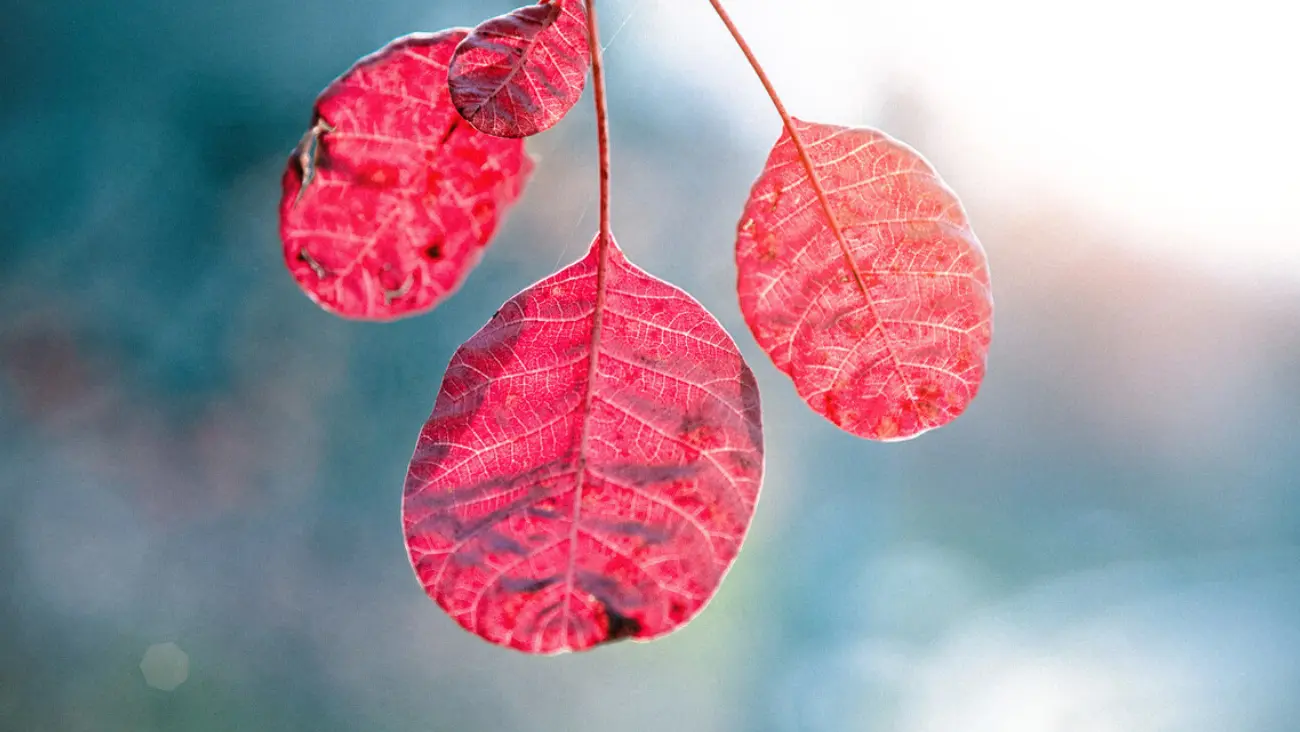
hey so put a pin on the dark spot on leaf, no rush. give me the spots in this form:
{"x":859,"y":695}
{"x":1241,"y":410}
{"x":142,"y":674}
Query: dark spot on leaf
{"x":649,"y":535}
{"x":434,"y":251}
{"x":744,"y":461}
{"x":497,"y":542}
{"x":455,"y":123}
{"x":619,"y":625}
{"x":527,"y":584}
{"x":642,"y":475}
{"x":676,"y":610}
{"x":690,"y":422}
{"x":468,"y":556}
{"x":551,"y":608}
{"x":646,"y":358}
{"x":696,"y":430}
{"x":540,"y":511}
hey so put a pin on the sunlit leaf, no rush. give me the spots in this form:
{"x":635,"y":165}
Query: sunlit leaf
{"x":391,"y":197}
{"x":590,"y":467}
{"x":518,"y":74}
{"x":881,"y":313}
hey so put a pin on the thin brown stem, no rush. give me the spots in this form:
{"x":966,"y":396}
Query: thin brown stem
{"x":815,"y":181}
{"x":796,"y":139}
{"x":598,"y":311}
{"x":602,"y":123}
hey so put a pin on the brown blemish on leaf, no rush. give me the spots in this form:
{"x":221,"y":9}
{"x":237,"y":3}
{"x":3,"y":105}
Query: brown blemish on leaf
{"x":527,"y":585}
{"x":649,"y":535}
{"x":929,"y":398}
{"x":646,"y":358}
{"x":618,"y":626}
{"x":744,"y":461}
{"x":316,"y":267}
{"x":309,"y":151}
{"x":451,"y":130}
{"x":696,"y":431}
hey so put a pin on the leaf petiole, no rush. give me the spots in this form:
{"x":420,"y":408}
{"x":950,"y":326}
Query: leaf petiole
{"x":799,"y":146}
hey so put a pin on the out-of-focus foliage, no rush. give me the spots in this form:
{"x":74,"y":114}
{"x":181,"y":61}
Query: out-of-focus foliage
{"x":193,"y":453}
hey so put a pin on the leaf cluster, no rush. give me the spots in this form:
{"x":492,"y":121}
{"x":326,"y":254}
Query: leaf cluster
{"x":595,"y":452}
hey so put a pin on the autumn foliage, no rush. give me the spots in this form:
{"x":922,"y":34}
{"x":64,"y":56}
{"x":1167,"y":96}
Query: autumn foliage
{"x":518,"y":74}
{"x":391,"y":196}
{"x":594,"y":455}
{"x":861,"y":278}
{"x":599,"y":497}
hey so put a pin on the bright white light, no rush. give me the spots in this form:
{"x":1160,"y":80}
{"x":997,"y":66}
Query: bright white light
{"x":1195,"y":646}
{"x":1178,"y":119}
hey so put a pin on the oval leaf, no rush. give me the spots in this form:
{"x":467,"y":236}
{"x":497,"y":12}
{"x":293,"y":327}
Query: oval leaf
{"x":401,"y":195}
{"x":562,"y":496}
{"x":882,"y":316}
{"x":518,"y":74}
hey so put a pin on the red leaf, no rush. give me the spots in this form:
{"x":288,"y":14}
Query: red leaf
{"x":543,"y":526}
{"x":518,"y":74}
{"x":401,"y":196}
{"x":887,"y":343}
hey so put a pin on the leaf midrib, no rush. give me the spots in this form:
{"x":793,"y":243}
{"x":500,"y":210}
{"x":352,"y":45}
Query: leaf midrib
{"x":836,"y":229}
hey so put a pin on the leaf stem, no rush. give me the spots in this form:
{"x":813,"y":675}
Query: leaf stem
{"x":598,"y":310}
{"x":798,"y":143}
{"x":602,"y":126}
{"x":812,"y":179}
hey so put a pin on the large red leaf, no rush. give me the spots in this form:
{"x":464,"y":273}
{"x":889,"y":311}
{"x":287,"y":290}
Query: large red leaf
{"x":562,"y":496}
{"x":402,"y":195}
{"x":518,"y":74}
{"x":881,"y":315}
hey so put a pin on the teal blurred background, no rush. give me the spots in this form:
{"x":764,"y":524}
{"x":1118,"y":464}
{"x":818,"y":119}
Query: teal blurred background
{"x":196,"y":460}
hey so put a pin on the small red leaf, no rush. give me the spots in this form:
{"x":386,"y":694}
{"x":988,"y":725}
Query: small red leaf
{"x":882,"y":316}
{"x":562,"y":496}
{"x":518,"y":74}
{"x":401,"y":196}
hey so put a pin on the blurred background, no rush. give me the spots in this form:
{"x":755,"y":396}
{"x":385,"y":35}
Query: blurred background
{"x":201,"y":471}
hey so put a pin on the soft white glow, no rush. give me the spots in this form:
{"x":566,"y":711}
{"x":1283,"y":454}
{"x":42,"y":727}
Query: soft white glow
{"x":1178,"y":119}
{"x":165,"y":666}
